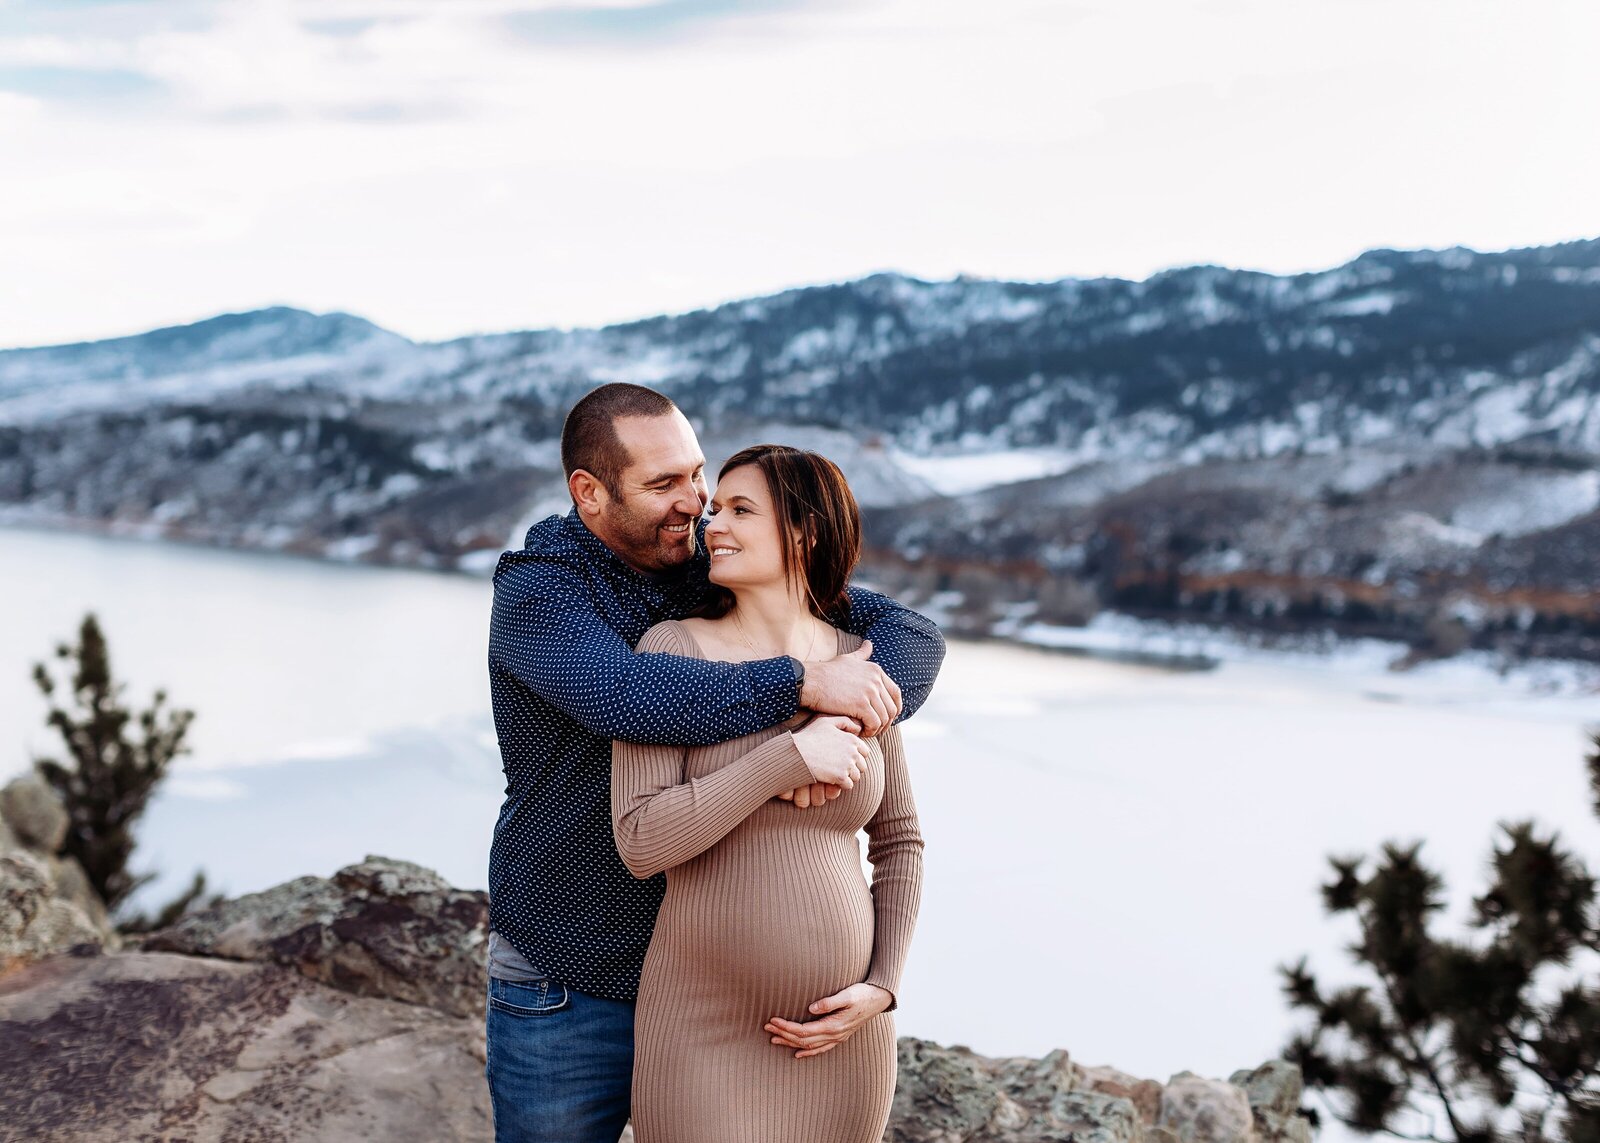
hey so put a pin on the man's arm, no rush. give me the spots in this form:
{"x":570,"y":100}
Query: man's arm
{"x":906,"y":645}
{"x":546,"y":633}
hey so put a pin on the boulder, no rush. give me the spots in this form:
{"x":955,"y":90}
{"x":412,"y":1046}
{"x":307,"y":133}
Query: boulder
{"x":35,"y":815}
{"x":71,"y":884}
{"x":1144,"y":1094}
{"x":1274,"y":1090}
{"x":34,"y":921}
{"x":33,"y":820}
{"x":380,"y":928}
{"x":948,"y":1095}
{"x":1201,"y":1110}
{"x":129,"y":1046}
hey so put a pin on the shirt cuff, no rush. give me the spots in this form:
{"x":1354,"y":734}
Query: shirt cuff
{"x":772,"y":689}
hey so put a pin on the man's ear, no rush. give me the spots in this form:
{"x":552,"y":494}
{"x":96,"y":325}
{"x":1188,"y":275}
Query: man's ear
{"x":588,"y":493}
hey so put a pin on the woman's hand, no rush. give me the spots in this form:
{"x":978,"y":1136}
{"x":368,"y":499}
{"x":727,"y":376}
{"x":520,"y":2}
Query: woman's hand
{"x":833,"y":750}
{"x":847,"y":1010}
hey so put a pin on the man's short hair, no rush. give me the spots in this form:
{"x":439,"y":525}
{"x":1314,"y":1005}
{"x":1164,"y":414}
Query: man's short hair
{"x":589,"y":436}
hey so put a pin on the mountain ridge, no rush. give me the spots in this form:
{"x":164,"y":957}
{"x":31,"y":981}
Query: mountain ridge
{"x":1441,"y":254}
{"x":1409,"y":441}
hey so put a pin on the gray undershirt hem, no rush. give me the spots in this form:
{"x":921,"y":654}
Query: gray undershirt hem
{"x":506,"y":963}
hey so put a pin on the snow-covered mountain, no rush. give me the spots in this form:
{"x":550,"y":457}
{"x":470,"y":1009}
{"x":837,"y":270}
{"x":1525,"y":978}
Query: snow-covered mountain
{"x":1409,"y":440}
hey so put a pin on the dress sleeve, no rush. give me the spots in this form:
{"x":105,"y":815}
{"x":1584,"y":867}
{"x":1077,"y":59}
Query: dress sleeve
{"x":662,"y":818}
{"x":894,"y":847}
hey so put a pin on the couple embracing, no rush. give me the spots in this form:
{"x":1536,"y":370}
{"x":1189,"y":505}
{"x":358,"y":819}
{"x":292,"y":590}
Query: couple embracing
{"x":696,"y":716}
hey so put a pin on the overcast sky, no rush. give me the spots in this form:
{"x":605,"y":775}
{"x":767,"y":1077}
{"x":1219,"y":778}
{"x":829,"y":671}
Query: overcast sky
{"x":451,"y":166}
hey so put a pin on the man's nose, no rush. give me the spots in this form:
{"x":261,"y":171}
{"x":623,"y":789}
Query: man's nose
{"x":690,"y":503}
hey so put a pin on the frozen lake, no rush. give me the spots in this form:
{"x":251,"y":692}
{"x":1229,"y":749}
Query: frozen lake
{"x":1117,"y":856}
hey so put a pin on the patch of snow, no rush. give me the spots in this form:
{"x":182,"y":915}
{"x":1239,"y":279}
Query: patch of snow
{"x":1366,"y":665}
{"x":481,"y":562}
{"x":400,"y":484}
{"x":1412,"y":533}
{"x":1377,"y":302}
{"x":1544,"y":501}
{"x":956,"y":475}
{"x":350,"y":548}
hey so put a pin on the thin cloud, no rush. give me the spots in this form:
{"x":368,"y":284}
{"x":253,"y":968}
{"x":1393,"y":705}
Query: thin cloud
{"x":342,"y":28}
{"x":415,"y":161}
{"x":663,"y":22}
{"x":77,"y":84}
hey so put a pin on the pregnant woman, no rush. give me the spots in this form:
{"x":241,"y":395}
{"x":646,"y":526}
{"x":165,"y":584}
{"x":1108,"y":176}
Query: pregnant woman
{"x":768,"y":929}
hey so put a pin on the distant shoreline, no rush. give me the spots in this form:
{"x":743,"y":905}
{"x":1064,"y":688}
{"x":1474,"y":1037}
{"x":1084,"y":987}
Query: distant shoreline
{"x":1113,"y":637}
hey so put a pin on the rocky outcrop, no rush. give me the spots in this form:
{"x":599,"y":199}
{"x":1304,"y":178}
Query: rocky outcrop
{"x":351,"y":1008}
{"x":47,"y":905}
{"x":146,"y":1046}
{"x":1273,"y":1091}
{"x":954,"y":1095}
{"x":380,"y":928}
{"x":34,"y":921}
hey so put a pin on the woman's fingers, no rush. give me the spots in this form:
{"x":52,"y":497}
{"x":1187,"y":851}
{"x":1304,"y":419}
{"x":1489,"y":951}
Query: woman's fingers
{"x":788,"y":1032}
{"x":807,"y":1043}
{"x":811,"y":1047}
{"x":815,"y":1051}
{"x":833,"y":1029}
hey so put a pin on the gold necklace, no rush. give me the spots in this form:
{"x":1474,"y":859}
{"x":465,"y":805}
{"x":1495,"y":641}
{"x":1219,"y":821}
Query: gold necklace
{"x":743,"y":635}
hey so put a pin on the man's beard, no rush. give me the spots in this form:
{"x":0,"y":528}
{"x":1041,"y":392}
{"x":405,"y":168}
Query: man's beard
{"x":645,"y":544}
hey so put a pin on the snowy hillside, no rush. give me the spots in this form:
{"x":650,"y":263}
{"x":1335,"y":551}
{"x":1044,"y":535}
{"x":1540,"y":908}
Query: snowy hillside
{"x":1408,"y":441}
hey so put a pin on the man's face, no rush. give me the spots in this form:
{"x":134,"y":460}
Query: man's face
{"x":651,"y":524}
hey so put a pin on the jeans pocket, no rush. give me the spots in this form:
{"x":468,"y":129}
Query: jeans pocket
{"x":528,"y":997}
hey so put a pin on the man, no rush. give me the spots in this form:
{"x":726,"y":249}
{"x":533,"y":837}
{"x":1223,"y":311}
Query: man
{"x":569,"y":924}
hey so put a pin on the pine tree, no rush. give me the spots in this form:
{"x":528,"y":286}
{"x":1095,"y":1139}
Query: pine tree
{"x":108,"y":776}
{"x":1499,"y":1033}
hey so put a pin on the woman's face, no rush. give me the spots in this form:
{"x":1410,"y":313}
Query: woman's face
{"x":742,"y":533}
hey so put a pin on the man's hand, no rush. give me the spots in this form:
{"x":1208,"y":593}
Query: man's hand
{"x":854,"y":686}
{"x":812,"y":795}
{"x":846,"y":1012}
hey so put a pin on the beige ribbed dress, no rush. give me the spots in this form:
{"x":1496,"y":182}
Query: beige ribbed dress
{"x":766,"y":911}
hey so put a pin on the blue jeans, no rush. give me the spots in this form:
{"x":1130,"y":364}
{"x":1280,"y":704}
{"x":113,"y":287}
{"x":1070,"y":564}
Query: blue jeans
{"x":560,"y":1063}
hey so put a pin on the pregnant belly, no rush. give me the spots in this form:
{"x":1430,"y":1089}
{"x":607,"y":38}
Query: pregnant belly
{"x":771,"y":921}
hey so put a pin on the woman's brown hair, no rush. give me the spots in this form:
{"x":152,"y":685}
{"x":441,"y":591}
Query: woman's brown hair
{"x":819,"y":527}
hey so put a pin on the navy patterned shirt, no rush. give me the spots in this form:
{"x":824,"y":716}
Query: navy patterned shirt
{"x":565,"y":681}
